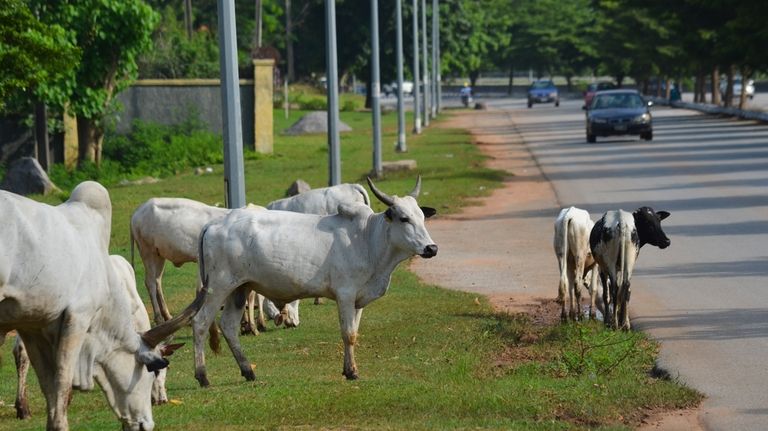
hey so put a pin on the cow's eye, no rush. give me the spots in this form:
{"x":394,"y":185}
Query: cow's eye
{"x":404,"y":219}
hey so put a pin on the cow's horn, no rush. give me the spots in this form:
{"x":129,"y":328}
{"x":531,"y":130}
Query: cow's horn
{"x":383,"y":197}
{"x":416,"y":190}
{"x":156,"y":335}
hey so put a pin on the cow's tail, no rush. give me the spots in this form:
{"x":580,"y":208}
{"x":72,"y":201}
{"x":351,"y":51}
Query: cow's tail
{"x":214,"y":341}
{"x":563,"y":288}
{"x":133,"y":242}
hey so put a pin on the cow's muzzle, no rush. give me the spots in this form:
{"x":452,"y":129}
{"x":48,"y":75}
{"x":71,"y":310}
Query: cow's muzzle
{"x":665,"y":244}
{"x":429,"y":251}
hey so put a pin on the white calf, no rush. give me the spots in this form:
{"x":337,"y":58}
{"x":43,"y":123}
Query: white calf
{"x":571,"y":243}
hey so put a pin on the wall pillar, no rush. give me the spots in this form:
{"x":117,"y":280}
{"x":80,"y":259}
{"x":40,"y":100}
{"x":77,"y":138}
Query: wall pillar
{"x":263,"y":105}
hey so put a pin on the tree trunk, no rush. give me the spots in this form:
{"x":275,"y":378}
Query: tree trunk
{"x":188,"y":18}
{"x":257,"y":29}
{"x":511,"y":79}
{"x":645,"y":85}
{"x":473,"y":75}
{"x":746,"y":75}
{"x":569,"y":84}
{"x":715,"y":86}
{"x":90,"y":138}
{"x":619,"y":80}
{"x":42,"y":149}
{"x":668,"y":83}
{"x":289,"y":41}
{"x":728,"y":102}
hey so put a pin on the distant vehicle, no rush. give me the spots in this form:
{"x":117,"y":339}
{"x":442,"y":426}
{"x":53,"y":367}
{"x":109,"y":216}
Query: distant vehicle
{"x":595,"y":87}
{"x":750,"y":90}
{"x":391,"y":89}
{"x":543,"y":91}
{"x":619,"y":112}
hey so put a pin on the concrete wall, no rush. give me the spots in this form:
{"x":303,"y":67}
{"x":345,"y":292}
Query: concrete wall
{"x":172,"y":101}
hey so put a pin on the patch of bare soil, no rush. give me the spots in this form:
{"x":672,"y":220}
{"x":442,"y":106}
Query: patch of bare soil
{"x":501,"y":247}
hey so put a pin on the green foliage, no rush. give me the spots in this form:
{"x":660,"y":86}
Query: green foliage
{"x":594,"y":350}
{"x":149,"y":150}
{"x":174,"y":55}
{"x":33,"y":56}
{"x":111,"y":35}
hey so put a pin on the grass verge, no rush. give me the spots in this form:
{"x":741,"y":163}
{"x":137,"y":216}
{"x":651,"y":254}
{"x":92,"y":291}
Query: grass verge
{"x":428,"y":358}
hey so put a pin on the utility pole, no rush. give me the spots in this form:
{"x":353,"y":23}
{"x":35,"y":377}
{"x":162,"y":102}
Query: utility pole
{"x":375,"y":91}
{"x":416,"y":75}
{"x":332,"y":81}
{"x":400,"y":147}
{"x":425,"y":73}
{"x":257,"y":38}
{"x":234,"y":178}
{"x":439,"y":79}
{"x":434,"y":59}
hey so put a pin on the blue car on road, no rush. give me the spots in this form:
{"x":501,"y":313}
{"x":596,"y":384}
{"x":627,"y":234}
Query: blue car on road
{"x":543,"y":91}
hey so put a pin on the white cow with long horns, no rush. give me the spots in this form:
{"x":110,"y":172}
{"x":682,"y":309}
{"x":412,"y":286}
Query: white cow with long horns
{"x":60,"y":293}
{"x":348,"y":257}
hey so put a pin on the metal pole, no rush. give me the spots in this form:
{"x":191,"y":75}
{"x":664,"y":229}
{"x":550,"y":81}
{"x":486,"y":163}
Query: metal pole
{"x":375,"y":90}
{"x":400,"y":148}
{"x":234,"y":179}
{"x":439,"y":81}
{"x":434,"y":59}
{"x":416,"y":74}
{"x":332,"y":80}
{"x":425,"y":73}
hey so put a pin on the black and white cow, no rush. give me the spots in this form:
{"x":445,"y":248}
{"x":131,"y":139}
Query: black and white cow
{"x":615,"y":242}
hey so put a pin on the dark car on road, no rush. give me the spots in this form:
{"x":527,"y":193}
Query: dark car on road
{"x":619,"y":112}
{"x":543,"y":91}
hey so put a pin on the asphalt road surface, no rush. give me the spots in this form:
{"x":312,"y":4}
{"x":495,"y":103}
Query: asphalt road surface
{"x":706,"y":296}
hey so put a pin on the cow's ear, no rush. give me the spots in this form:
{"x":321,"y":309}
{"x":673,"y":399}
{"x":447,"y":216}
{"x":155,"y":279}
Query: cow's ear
{"x":388,"y":214}
{"x":428,"y":211}
{"x":662,"y":214}
{"x":168,"y":349}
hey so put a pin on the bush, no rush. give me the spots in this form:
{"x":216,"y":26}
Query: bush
{"x":149,"y":150}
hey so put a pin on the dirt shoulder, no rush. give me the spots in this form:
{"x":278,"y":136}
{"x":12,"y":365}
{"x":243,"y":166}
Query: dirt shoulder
{"x":502,"y":246}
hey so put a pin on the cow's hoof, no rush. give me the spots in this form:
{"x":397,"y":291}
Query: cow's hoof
{"x":249,"y":375}
{"x":261,"y":327}
{"x":22,"y":410}
{"x":203,"y":380}
{"x":351,"y":375}
{"x":247,"y":329}
{"x":159,"y":403}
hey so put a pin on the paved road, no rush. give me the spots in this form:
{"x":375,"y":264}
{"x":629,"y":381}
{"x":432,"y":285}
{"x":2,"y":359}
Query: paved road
{"x":706,"y":297}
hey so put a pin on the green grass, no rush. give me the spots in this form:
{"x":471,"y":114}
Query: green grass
{"x":428,"y":358}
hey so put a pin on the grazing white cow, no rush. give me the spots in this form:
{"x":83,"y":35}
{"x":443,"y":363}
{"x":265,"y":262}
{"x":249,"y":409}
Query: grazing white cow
{"x":168,"y":229}
{"x":571,"y":243}
{"x":615,"y":242}
{"x":141,"y":323}
{"x":60,"y":293}
{"x":322,"y":201}
{"x":348,"y":257}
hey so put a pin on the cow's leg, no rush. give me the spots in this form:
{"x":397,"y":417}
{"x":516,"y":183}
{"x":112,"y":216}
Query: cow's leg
{"x":203,"y":322}
{"x":573,"y":288}
{"x":349,"y":321}
{"x":261,"y":323}
{"x":22,"y":369}
{"x":562,"y":286}
{"x":592,"y":288}
{"x":154,"y":265}
{"x":624,"y":314}
{"x":159,"y":394}
{"x":615,"y":301}
{"x":42,"y":356}
{"x":247,"y":325}
{"x":606,"y":296}
{"x":578,"y":281}
{"x":230,"y":317}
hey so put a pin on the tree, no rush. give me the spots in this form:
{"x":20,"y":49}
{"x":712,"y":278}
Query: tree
{"x":111,"y":35}
{"x":33,"y":56}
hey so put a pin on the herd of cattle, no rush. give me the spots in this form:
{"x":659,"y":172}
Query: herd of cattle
{"x":81,"y":319}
